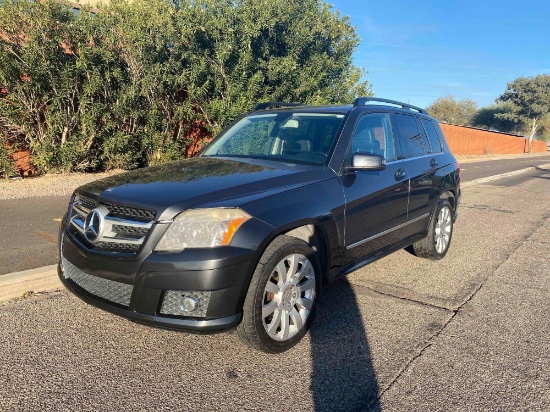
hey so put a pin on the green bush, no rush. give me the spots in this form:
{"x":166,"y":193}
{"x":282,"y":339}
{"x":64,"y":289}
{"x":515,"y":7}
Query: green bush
{"x":142,"y":82}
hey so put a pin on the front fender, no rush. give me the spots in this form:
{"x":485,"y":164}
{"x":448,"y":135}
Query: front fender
{"x":321,"y":205}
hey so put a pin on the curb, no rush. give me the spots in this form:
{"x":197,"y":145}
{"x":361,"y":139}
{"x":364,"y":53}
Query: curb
{"x":481,"y":158}
{"x":496,"y":177}
{"x":18,"y":284}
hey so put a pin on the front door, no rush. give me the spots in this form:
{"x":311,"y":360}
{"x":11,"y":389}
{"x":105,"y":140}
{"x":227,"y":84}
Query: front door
{"x":376,"y":201}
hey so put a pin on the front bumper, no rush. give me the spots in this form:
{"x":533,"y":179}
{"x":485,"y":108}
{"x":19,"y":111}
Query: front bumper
{"x":141,"y":283}
{"x":186,"y":324}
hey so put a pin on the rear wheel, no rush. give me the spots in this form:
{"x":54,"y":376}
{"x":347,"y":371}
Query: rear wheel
{"x":281,"y":300}
{"x":440,"y":233}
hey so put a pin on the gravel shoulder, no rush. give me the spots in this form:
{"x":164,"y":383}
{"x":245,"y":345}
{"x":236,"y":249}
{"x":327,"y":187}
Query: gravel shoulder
{"x":48,"y":185}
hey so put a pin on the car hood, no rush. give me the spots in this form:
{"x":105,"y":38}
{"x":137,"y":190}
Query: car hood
{"x":202,"y":182}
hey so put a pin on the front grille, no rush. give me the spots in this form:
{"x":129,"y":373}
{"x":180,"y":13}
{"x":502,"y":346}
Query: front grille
{"x":87,"y":203}
{"x":116,"y":247}
{"x":124,"y":212}
{"x":130,"y":230}
{"x":110,"y":290}
{"x":124,"y":229}
{"x":172,"y":303}
{"x":131,"y":212}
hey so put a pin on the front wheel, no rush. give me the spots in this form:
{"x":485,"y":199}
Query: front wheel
{"x":281,"y":300}
{"x":440,"y":233}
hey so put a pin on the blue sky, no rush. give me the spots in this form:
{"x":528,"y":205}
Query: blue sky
{"x":417,"y":51}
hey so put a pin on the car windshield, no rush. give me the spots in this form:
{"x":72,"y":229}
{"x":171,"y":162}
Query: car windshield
{"x":288,"y":136}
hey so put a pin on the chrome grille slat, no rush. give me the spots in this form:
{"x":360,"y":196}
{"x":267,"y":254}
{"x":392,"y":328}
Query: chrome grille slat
{"x":110,"y":290}
{"x":81,"y":210}
{"x":130,"y":230}
{"x":78,"y":223}
{"x":130,"y":223}
{"x":121,"y":240}
{"x":117,"y":247}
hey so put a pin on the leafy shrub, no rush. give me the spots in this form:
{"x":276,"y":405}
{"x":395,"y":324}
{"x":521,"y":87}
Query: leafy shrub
{"x":148,"y":81}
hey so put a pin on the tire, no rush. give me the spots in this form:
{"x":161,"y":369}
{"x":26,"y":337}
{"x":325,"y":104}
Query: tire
{"x":440,"y":233}
{"x":279,"y":309}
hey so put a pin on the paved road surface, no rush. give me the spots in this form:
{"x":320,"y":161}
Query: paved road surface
{"x":477,"y":170}
{"x":31,"y":230}
{"x":469,"y":332}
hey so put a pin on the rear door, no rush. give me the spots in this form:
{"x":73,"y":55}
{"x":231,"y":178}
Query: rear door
{"x":414,"y":151}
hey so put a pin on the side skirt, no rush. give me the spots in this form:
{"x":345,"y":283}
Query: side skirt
{"x":353,"y":266}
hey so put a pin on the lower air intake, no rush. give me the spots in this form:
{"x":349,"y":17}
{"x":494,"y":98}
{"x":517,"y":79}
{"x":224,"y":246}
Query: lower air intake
{"x":110,"y":290}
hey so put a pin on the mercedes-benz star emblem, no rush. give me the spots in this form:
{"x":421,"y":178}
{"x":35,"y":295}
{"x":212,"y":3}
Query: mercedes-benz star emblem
{"x":93,"y":226}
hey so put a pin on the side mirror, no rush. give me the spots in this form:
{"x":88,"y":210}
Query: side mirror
{"x":367,"y":161}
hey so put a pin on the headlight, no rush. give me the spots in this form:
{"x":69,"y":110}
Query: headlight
{"x":201,"y":228}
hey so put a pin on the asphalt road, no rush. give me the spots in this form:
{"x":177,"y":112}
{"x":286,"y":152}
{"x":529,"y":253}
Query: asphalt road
{"x":469,"y":332}
{"x":30,"y":228}
{"x":29,"y":232}
{"x":478,"y":170}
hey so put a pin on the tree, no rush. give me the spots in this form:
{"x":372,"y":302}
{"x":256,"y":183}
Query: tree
{"x":530,"y":100}
{"x":247,"y":51}
{"x":543,"y":132}
{"x":486,"y":118}
{"x":447,"y":109}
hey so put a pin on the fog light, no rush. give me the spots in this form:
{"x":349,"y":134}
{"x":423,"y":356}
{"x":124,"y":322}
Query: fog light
{"x":192,"y":303}
{"x":188,"y":303}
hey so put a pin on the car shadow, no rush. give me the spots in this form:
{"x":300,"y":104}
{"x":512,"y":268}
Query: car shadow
{"x":343,"y":376}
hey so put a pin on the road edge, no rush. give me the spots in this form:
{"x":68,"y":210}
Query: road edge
{"x":487,"y":158}
{"x":16,"y":285}
{"x":502,"y":175}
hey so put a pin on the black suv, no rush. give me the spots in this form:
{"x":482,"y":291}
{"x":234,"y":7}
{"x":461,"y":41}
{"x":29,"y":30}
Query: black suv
{"x":286,"y":199}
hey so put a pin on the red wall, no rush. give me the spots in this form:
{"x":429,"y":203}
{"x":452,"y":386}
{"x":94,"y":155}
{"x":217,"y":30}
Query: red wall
{"x":22,"y":160}
{"x":468,"y":140}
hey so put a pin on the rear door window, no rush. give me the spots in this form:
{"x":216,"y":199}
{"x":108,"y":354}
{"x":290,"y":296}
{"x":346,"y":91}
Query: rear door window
{"x":433,"y":137}
{"x":411,"y":141}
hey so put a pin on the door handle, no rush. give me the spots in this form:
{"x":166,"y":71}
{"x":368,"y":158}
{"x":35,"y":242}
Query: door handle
{"x":400,"y":174}
{"x":433,"y":163}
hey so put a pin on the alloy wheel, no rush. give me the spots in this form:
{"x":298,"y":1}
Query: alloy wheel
{"x":288,"y":297}
{"x":443,"y":229}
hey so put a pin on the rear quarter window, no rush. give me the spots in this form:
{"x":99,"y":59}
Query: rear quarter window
{"x":433,"y":137}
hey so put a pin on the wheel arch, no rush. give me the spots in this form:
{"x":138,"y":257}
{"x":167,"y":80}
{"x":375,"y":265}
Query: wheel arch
{"x":313,"y":235}
{"x":450,"y":196}
{"x":310,"y":232}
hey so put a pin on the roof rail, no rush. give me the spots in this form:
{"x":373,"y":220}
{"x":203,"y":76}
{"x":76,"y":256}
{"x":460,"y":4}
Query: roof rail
{"x":361,"y":101}
{"x":270,"y":105}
